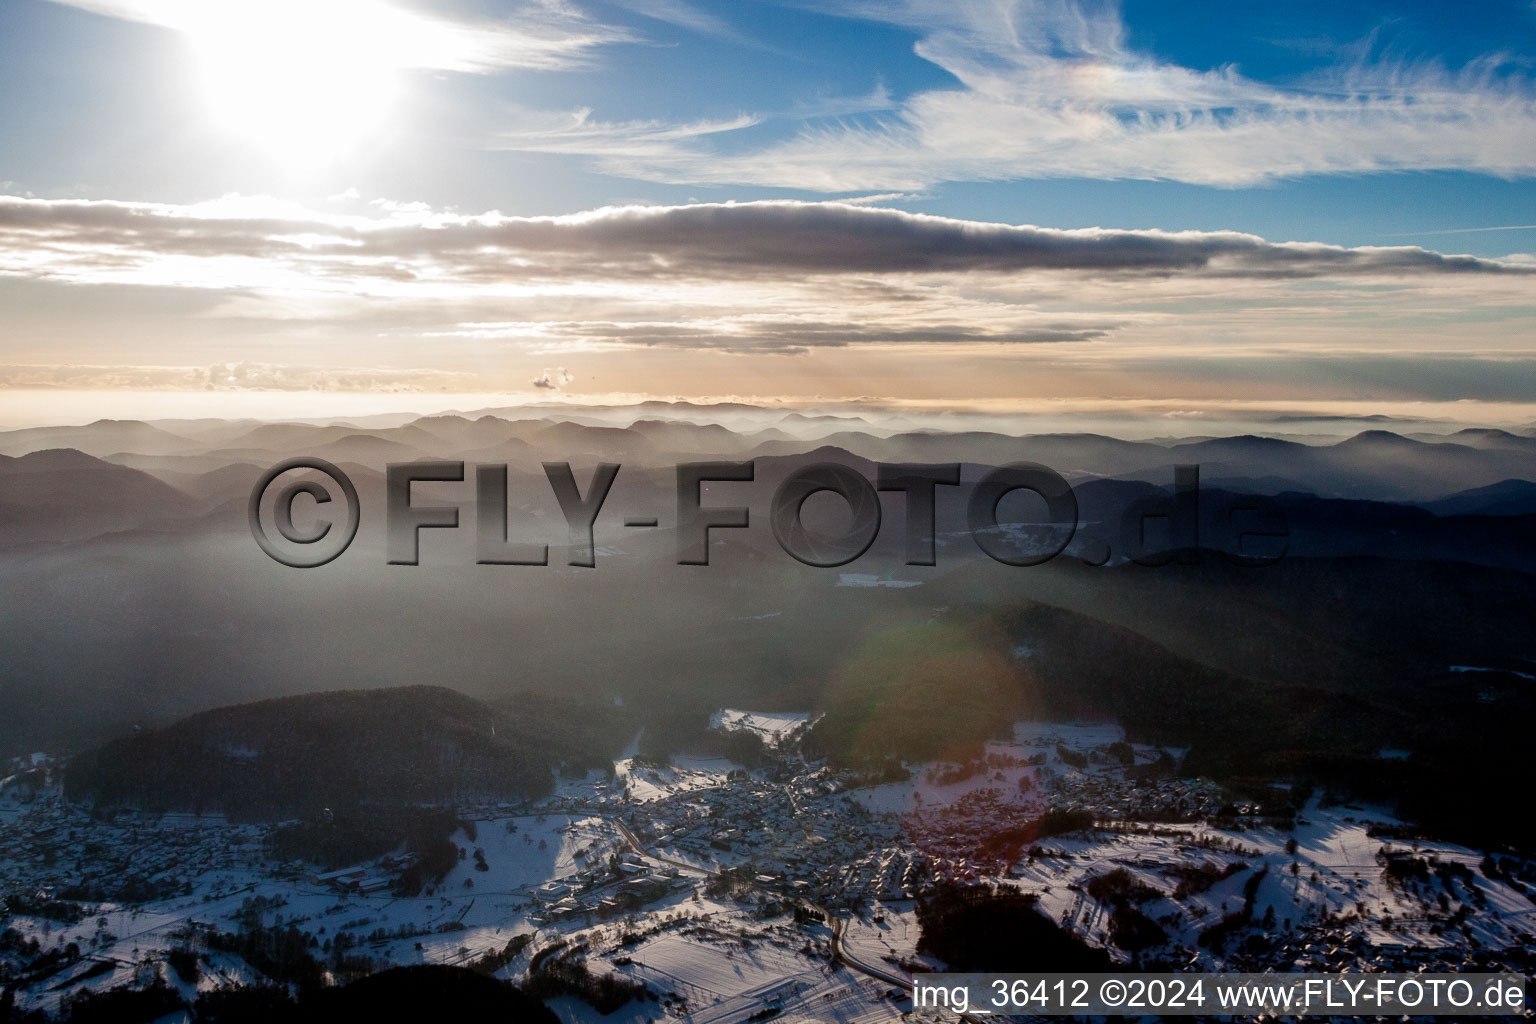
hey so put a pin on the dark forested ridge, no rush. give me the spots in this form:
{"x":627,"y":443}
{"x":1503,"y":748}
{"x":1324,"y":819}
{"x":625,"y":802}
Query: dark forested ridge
{"x":420,"y":993}
{"x":941,"y":690}
{"x":998,"y":931}
{"x":296,"y":755}
{"x":1397,"y":618}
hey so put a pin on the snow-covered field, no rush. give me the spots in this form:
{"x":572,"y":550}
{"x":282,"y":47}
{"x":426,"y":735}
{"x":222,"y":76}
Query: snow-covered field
{"x":885,"y":930}
{"x":524,"y":852}
{"x":456,"y":922}
{"x":648,"y":782}
{"x":1005,"y":765}
{"x":773,"y":726}
{"x":1336,"y":873}
{"x":751,"y":948}
{"x":729,"y":967}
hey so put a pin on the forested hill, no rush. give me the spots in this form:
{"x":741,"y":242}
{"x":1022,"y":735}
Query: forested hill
{"x":296,"y":755}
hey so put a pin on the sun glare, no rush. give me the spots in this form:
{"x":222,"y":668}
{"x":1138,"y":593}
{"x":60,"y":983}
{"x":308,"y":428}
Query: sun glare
{"x":304,"y":82}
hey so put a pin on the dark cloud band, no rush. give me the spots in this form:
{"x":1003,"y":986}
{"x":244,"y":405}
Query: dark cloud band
{"x":72,"y":239}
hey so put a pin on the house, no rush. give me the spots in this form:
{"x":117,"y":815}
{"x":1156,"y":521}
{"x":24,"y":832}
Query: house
{"x":342,"y":879}
{"x":552,"y":891}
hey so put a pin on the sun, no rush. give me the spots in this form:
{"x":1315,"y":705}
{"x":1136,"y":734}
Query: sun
{"x":304,"y":82}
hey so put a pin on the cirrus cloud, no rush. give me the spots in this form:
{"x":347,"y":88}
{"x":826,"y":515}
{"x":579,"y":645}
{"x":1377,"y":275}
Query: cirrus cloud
{"x":1053,"y":89}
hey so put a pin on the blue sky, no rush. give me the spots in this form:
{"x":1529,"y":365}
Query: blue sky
{"x":1359,"y":125}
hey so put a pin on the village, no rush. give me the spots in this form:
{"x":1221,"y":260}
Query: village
{"x":724,"y":892}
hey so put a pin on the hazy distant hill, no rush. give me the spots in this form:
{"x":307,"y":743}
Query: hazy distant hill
{"x":1505,"y":498}
{"x":1375,"y":465}
{"x":706,"y":439}
{"x":66,"y":495}
{"x":147,"y":623}
{"x":216,"y":485}
{"x":103,"y":437}
{"x":296,"y":437}
{"x":1484,"y":437}
{"x":468,"y":433}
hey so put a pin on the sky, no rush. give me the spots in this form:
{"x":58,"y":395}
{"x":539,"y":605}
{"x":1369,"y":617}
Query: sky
{"x":1290,"y":213}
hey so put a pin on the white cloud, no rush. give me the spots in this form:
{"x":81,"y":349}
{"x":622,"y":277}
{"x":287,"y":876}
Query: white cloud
{"x":552,"y":380}
{"x":255,"y":242}
{"x":782,"y":278}
{"x":1050,"y":89}
{"x":241,"y":375}
{"x":1047,"y":89}
{"x":578,"y":132}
